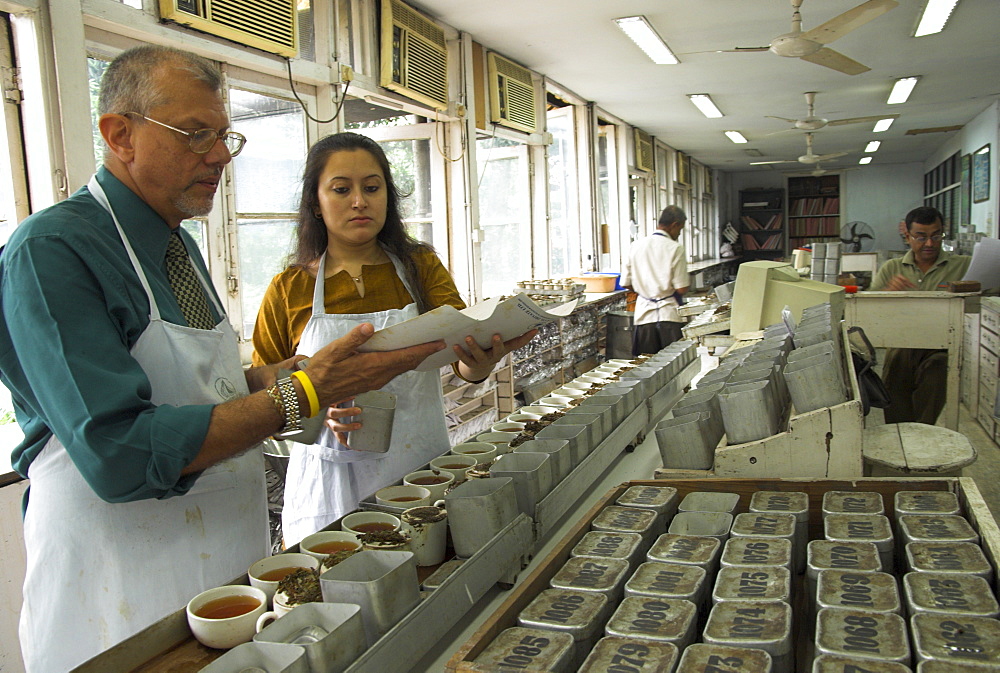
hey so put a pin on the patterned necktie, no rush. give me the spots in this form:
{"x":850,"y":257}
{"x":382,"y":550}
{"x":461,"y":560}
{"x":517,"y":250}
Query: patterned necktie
{"x":186,"y":286}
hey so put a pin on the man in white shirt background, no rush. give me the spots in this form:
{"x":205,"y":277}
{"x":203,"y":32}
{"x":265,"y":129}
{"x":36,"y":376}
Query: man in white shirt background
{"x":656,"y":270}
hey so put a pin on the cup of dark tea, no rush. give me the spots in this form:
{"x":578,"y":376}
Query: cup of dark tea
{"x":267,"y":572}
{"x":225,"y":617}
{"x":404,"y":496}
{"x":370,"y":522}
{"x":435,"y":481}
{"x":325,"y":542}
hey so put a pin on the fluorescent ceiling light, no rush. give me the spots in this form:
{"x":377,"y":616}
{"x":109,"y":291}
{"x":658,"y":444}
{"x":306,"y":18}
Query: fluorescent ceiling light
{"x":735,"y":136}
{"x":882,"y":125}
{"x":639,"y":30}
{"x":901,"y":90}
{"x":865,"y":160}
{"x":705,"y":104}
{"x":872,"y":146}
{"x":935,"y":15}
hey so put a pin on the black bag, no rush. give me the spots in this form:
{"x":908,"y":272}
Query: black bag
{"x":870,"y":384}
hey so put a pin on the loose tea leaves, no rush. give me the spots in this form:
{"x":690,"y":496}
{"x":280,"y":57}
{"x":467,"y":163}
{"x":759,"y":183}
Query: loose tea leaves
{"x":301,"y":586}
{"x":383,"y":537}
{"x":336,"y":557}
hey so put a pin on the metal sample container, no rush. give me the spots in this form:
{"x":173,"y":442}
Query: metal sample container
{"x":591,"y":435}
{"x":614,"y":654}
{"x":256,"y":656}
{"x":581,"y":614}
{"x":968,"y":640}
{"x":935,"y":528}
{"x":710,"y":524}
{"x":660,"y":499}
{"x":700,"y":657}
{"x":949,"y":593}
{"x":852,"y":502}
{"x":868,"y":591}
{"x":602,"y":576}
{"x":926,"y":502}
{"x":879,"y":636}
{"x":527,"y":650}
{"x":763,"y":625}
{"x":443,"y":572}
{"x":687,"y":441}
{"x":874,"y":528}
{"x":654,"y":619}
{"x":853,"y":556}
{"x":686,"y":549}
{"x":578,"y":437}
{"x":708,"y":501}
{"x":795,"y":503}
{"x":626,"y":547}
{"x":757,"y":552}
{"x":749,"y":411}
{"x":668,"y":581}
{"x":774,"y":526}
{"x":559,"y":455}
{"x":737,"y":583}
{"x":589,"y":416}
{"x":948,"y":557}
{"x":332,"y":634}
{"x":833,"y":663}
{"x":626,"y":520}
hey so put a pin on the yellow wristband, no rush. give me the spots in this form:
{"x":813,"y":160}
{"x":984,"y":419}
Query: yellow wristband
{"x":307,"y":386}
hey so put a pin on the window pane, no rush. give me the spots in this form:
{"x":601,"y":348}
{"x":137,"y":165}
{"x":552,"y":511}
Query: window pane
{"x":95,"y":71}
{"x":264,"y":249}
{"x":564,"y":218}
{"x":504,"y":215}
{"x":410,"y":163}
{"x":197,"y":230}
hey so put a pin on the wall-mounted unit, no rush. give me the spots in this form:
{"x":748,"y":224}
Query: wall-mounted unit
{"x":643,"y":150}
{"x":683,"y":172}
{"x":268,"y":25}
{"x":414,"y":55}
{"x":512,"y":94}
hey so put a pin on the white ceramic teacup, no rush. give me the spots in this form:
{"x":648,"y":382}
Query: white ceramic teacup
{"x":267,"y":572}
{"x":356,"y":522}
{"x":483,"y":452}
{"x":525,"y":418}
{"x":435,"y":481}
{"x":325,"y":542}
{"x":512,"y":427}
{"x":281,"y":608}
{"x":535,"y":409}
{"x":404,"y":496}
{"x":461,"y":463}
{"x":206,"y":615}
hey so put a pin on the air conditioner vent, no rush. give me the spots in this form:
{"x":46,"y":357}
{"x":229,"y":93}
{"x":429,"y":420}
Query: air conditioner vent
{"x":268,"y":25}
{"x":414,"y":55}
{"x":643,"y":150}
{"x":513,"y":102}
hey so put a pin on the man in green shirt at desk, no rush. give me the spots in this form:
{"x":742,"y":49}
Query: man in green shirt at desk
{"x":916,"y":378}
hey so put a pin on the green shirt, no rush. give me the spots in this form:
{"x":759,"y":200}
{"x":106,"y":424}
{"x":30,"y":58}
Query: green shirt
{"x":71,"y":308}
{"x":947,"y":267}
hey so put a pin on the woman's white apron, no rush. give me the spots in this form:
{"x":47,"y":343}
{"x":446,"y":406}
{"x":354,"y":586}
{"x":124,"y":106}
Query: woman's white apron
{"x":324,"y":481}
{"x":99,"y":572}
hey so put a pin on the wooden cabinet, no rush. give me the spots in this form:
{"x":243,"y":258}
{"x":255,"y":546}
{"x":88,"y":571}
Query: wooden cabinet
{"x":471,"y":408}
{"x":762,"y":223}
{"x":989,"y":367}
{"x":813,"y":210}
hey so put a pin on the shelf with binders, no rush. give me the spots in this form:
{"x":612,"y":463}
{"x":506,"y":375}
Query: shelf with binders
{"x":827,"y":225}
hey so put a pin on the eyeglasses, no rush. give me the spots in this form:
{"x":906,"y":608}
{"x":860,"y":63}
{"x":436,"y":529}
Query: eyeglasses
{"x":920,"y":238}
{"x":203,"y":140}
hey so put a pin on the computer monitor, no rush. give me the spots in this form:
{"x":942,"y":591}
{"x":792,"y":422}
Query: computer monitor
{"x":764,"y":288}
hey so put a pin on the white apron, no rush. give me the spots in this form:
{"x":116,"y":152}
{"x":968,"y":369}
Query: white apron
{"x":324,"y":481}
{"x":99,"y":572}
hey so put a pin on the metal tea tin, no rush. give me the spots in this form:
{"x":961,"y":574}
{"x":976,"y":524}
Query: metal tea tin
{"x":834,"y":663}
{"x":706,"y":501}
{"x":686,"y":549}
{"x":874,"y":528}
{"x":950,"y":639}
{"x":763,"y":625}
{"x":948,"y":557}
{"x":881,"y":636}
{"x":764,"y":583}
{"x":660,"y":499}
{"x":626,"y":520}
{"x":934,"y":666}
{"x":611,"y":545}
{"x":852,"y":502}
{"x":655,"y":619}
{"x":757,"y":551}
{"x":668,"y":581}
{"x":443,"y":572}
{"x":518,"y":648}
{"x":774,"y":526}
{"x":935,"y":528}
{"x":795,"y":503}
{"x":704,"y":658}
{"x":926,"y":502}
{"x":614,"y":654}
{"x":867,"y":591}
{"x":603,"y":576}
{"x":949,"y":593}
{"x":824,"y":554}
{"x":581,"y":614}
{"x":712,"y":524}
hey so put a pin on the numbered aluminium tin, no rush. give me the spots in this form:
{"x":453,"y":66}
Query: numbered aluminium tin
{"x":626,"y":520}
{"x":611,"y":545}
{"x":712,"y":524}
{"x":949,"y":593}
{"x":706,"y":501}
{"x":742,"y":583}
{"x":655,"y":619}
{"x":934,"y":666}
{"x":795,"y":503}
{"x":764,"y":625}
{"x":528,"y":650}
{"x":443,"y":572}
{"x":948,"y":557}
{"x":868,"y":591}
{"x":926,"y":502}
{"x":756,"y":551}
{"x":668,"y":581}
{"x":603,"y":576}
{"x":881,"y":636}
{"x":824,"y":554}
{"x":660,"y":499}
{"x":874,"y":528}
{"x":935,"y":528}
{"x":833,"y":663}
{"x":704,"y":658}
{"x":581,"y":614}
{"x":686,"y":549}
{"x":614,"y":654}
{"x":951,"y":639}
{"x":774,"y":526}
{"x":852,"y":502}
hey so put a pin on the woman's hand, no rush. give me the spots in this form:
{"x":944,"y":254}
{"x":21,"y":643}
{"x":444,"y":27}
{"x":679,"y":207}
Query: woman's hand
{"x":476,"y":363}
{"x":334,"y":416}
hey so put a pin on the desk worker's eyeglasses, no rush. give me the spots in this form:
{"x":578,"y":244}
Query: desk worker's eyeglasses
{"x":920,"y":238}
{"x":203,"y":140}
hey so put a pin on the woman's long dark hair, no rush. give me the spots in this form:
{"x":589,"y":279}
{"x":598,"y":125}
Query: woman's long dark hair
{"x":312,"y":236}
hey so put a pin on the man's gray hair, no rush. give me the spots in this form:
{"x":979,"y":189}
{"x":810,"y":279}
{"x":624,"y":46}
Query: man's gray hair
{"x":130,"y":83}
{"x":670,"y":215}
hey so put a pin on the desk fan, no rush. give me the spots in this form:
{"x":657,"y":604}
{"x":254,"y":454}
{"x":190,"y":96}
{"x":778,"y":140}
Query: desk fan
{"x":857,"y":237}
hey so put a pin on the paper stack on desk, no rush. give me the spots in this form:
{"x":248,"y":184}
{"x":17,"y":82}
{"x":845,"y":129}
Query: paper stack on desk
{"x":985,"y":266}
{"x":509,"y":318}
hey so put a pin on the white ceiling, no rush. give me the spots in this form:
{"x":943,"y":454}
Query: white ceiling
{"x":576,"y":44}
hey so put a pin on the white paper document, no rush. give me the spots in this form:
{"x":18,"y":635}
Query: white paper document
{"x":507,"y":317}
{"x":985,"y":265}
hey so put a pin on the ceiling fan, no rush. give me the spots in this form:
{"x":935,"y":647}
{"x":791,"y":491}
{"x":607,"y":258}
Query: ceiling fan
{"x":808,"y":158}
{"x":809,"y":45}
{"x":812,"y":123}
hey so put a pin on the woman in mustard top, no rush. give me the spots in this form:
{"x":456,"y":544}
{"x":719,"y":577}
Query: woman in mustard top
{"x":351,"y":236}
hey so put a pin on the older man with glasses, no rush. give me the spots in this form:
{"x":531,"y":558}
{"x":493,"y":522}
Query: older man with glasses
{"x":916,"y":378}
{"x":142,"y":429}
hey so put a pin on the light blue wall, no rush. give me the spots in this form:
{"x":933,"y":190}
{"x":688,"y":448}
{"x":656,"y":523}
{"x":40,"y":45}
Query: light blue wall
{"x":881,"y":196}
